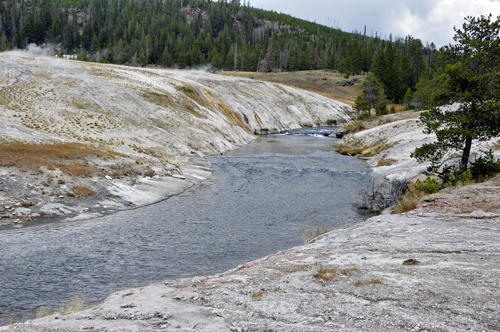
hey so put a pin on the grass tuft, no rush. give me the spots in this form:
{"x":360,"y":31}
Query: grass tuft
{"x":349,"y":271}
{"x":83,"y":191}
{"x":367,"y":282}
{"x":354,"y":126}
{"x":385,"y":161}
{"x":258,"y":295}
{"x":326,"y":273}
{"x":311,"y":234}
{"x":409,"y":200}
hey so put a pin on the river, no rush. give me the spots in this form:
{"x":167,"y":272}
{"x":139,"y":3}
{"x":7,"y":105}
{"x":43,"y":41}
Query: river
{"x":261,"y":199}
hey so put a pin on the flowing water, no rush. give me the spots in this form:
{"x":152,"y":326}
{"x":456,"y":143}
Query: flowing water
{"x":262,"y":199}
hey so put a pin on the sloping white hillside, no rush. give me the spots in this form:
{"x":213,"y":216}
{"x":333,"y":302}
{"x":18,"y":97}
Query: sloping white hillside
{"x":160,"y":112}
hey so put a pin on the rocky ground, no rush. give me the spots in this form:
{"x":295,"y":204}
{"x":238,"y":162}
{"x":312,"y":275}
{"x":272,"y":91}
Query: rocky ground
{"x":149,"y":128}
{"x":436,"y":268}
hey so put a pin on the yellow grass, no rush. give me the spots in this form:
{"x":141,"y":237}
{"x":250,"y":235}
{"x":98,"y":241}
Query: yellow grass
{"x":409,"y":200}
{"x":326,"y":273}
{"x":311,"y":234}
{"x":349,"y":271}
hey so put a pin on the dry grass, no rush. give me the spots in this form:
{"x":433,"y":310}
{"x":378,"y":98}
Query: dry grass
{"x":376,"y":148}
{"x":349,"y":271}
{"x":83,"y":191}
{"x":318,"y":81}
{"x":409,"y":200}
{"x":258,"y":295}
{"x":311,"y":234}
{"x":326,"y":273}
{"x":367,"y":282}
{"x":30,"y":157}
{"x":74,"y":304}
{"x":352,"y":148}
{"x":385,"y":161}
{"x":355,"y":126}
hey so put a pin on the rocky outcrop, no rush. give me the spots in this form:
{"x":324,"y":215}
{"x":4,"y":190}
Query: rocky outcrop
{"x":351,"y":82}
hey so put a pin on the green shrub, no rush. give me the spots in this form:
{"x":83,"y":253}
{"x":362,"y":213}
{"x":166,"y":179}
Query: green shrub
{"x":363,"y":116}
{"x":429,"y":185}
{"x":485,"y":166}
{"x":466,"y":178}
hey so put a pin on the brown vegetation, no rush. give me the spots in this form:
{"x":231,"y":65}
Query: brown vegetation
{"x":318,"y":81}
{"x":83,"y":191}
{"x":409,"y":200}
{"x":352,"y":148}
{"x":367,"y":282}
{"x":349,"y":271}
{"x":385,"y":161}
{"x":30,"y":157}
{"x":311,"y":234}
{"x":355,"y":126}
{"x":326,"y":273}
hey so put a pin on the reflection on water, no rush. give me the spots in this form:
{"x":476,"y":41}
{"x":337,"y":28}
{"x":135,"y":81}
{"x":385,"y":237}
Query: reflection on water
{"x":262,"y":199}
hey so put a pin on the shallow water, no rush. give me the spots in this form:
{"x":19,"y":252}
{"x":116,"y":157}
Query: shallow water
{"x":263,"y":197}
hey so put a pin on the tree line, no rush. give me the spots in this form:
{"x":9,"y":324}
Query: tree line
{"x":225,"y":34}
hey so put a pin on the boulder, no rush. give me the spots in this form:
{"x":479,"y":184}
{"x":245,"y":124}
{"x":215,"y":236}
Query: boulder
{"x":341,"y":132}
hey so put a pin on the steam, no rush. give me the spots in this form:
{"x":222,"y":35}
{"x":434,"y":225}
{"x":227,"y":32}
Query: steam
{"x":44,"y":49}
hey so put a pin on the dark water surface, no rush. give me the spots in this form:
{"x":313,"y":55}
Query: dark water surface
{"x":264,"y":196}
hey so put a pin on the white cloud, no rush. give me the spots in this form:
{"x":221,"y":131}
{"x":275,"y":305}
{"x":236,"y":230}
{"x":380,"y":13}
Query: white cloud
{"x":429,"y":20}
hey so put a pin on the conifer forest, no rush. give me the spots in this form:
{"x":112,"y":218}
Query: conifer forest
{"x":227,"y":35}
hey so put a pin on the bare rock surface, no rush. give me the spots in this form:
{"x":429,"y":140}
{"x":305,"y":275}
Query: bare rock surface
{"x":391,"y":273}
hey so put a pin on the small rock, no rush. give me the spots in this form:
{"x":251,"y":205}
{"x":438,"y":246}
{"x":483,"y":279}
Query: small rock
{"x":20,"y":211}
{"x":341,"y":133}
{"x":108,"y":177}
{"x":411,"y":261}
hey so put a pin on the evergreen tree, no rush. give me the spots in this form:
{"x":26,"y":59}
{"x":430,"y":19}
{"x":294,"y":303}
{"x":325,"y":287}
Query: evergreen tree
{"x":94,"y":45}
{"x":373,"y":95}
{"x":408,"y":98}
{"x":304,"y":61}
{"x":166,"y":58}
{"x":470,"y":78}
{"x":120,"y":57}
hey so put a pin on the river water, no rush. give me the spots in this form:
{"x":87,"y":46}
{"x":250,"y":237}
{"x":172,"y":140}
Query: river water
{"x":262,"y":199}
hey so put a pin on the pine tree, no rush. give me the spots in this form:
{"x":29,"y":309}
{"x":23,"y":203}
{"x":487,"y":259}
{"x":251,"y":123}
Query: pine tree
{"x":166,"y":58}
{"x":304,"y":61}
{"x":373,"y":95}
{"x":470,"y":78}
{"x":94,"y":46}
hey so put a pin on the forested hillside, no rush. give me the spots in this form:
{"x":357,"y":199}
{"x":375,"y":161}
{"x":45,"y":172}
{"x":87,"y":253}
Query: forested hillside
{"x":224,"y":34}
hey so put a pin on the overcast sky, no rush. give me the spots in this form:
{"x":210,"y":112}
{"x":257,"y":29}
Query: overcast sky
{"x":428,"y":20}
